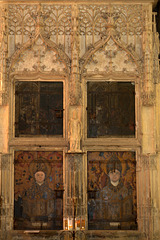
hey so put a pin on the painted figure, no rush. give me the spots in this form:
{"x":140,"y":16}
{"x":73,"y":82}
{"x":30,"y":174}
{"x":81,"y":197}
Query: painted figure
{"x":115,"y":197}
{"x":112,"y":206}
{"x":38,"y":201}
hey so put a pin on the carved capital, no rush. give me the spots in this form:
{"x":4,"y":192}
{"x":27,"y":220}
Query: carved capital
{"x":5,"y":99}
{"x":156,"y":235}
{"x":148,"y":99}
{"x":153,"y":162}
{"x":145,"y":161}
{"x":75,"y":161}
{"x":5,"y":161}
{"x":148,"y":162}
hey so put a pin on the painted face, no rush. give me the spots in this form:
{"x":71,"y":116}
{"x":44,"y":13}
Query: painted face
{"x":39,"y":176}
{"x":114,"y":175}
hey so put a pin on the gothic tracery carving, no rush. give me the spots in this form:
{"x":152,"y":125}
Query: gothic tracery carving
{"x":56,"y":20}
{"x":110,"y":57}
{"x":129,"y":21}
{"x":40,"y":57}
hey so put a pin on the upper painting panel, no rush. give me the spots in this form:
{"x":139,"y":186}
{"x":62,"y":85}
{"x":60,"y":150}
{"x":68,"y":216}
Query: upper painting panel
{"x":38,"y":109}
{"x":110,"y":109}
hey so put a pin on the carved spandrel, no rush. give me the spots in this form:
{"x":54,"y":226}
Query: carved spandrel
{"x":46,"y":59}
{"x":110,"y":56}
{"x":129,"y":22}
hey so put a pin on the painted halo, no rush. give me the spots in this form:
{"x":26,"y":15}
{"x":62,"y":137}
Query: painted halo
{"x":40,"y":164}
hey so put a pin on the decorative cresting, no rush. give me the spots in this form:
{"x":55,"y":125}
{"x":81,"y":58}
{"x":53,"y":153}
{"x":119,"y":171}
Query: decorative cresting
{"x":39,"y":53}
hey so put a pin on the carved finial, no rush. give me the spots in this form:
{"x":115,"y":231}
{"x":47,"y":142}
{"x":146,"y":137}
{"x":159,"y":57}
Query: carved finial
{"x":40,"y":16}
{"x":110,"y":17}
{"x":110,"y":20}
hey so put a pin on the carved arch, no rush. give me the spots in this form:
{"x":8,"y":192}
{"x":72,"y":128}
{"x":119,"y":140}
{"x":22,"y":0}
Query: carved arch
{"x":57,"y":55}
{"x":90,"y":56}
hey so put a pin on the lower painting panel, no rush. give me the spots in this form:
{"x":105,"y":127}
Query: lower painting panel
{"x":112,"y":191}
{"x":38,"y":190}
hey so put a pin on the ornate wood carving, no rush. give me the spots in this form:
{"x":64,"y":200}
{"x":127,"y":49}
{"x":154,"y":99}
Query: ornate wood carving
{"x":75,"y":90}
{"x":147,"y":76}
{"x":128,"y":21}
{"x":63,"y":41}
{"x":106,"y":59}
{"x":45,"y":55}
{"x":75,"y":186}
{"x":5,"y":161}
{"x":148,"y":99}
{"x":56,"y":20}
{"x":3,"y":53}
{"x":155,"y":51}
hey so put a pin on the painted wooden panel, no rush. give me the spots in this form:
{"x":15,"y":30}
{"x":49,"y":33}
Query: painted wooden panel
{"x":38,"y":108}
{"x":111,"y":109}
{"x":112,"y":190}
{"x":38,"y":190}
